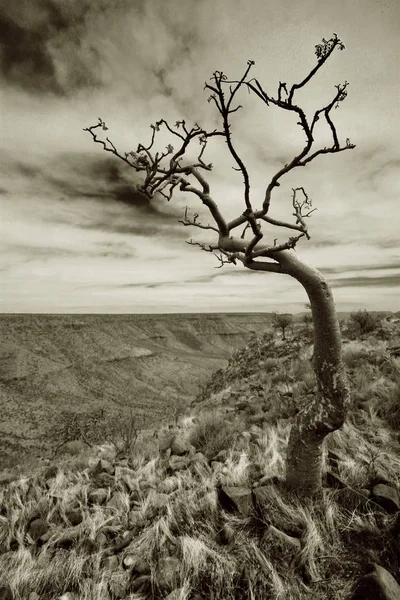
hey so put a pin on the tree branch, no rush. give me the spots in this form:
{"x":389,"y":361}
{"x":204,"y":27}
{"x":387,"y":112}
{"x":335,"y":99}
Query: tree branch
{"x":323,"y":52}
{"x":165,"y":171}
{"x":186,"y":222}
{"x":225,"y":110}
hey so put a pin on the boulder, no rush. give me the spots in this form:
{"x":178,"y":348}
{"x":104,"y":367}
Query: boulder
{"x":88,"y":546}
{"x":168,"y":573}
{"x":165,"y":439}
{"x":50,"y":472}
{"x":118,"y":501}
{"x":199,"y":457}
{"x":178,"y":463}
{"x":109,"y":563}
{"x":74,"y":516}
{"x":216,"y":465}
{"x":135,"y":519}
{"x":387,"y":497}
{"x":107,"y":452}
{"x":140,"y":584}
{"x":286,"y":544}
{"x":359,"y":500}
{"x":6,"y":593}
{"x":98,"y":496}
{"x":180,"y":445}
{"x":138,"y":566}
{"x":117,"y":588}
{"x":377,"y":584}
{"x":159,"y":501}
{"x":235,"y":499}
{"x":257,"y":419}
{"x":144,"y":485}
{"x":37,"y":528}
{"x":168,"y":485}
{"x":380,"y":476}
{"x":105,"y":480}
{"x":103,"y":466}
{"x":334,"y":481}
{"x":334,"y":458}
{"x":220,"y":457}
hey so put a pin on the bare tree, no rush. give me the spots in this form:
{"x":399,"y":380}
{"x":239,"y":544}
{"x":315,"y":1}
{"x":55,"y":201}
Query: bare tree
{"x":282,"y":321}
{"x":166,"y":171}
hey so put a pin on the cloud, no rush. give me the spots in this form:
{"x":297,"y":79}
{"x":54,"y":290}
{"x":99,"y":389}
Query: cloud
{"x":395,"y":265}
{"x":392,"y":281}
{"x":71,"y":214}
{"x":93,"y":192}
{"x":33,"y":38}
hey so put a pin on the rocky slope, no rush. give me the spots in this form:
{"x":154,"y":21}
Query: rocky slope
{"x":82,"y":362}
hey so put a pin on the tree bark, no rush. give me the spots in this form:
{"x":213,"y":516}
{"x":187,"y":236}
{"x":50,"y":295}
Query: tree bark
{"x":327,"y":411}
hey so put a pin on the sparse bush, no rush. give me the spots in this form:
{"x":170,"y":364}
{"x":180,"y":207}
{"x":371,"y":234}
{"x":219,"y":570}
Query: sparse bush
{"x":389,"y":405}
{"x":213,"y":433}
{"x":281,"y":321}
{"x":86,"y":427}
{"x":121,"y":429}
{"x":364,"y":321}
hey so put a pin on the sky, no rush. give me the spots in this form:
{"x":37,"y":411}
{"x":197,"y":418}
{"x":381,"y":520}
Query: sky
{"x":75,"y":234}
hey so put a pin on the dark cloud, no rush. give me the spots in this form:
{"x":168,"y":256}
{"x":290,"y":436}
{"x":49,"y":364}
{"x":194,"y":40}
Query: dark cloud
{"x":57,"y":46}
{"x":357,"y":268}
{"x":44,"y":253}
{"x":97,"y":193}
{"x":202,"y":279}
{"x":37,"y":37}
{"x":77,"y":175}
{"x":366,"y":282}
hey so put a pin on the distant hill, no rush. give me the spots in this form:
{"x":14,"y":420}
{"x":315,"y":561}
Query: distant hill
{"x":82,"y":362}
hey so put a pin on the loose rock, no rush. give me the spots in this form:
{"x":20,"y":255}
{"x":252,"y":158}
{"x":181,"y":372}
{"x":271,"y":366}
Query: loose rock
{"x":6,"y":593}
{"x":235,"y":499}
{"x":387,"y":497}
{"x":378,"y":583}
{"x":37,"y":528}
{"x":98,"y":496}
{"x":168,"y":573}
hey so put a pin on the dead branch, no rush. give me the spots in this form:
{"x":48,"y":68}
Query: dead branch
{"x":166,"y":171}
{"x":194,"y":222}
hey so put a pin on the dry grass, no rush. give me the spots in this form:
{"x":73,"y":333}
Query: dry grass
{"x":335,"y":541}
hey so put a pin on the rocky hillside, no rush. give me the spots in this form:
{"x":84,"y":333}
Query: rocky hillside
{"x":198,"y":510}
{"x":85,"y":362}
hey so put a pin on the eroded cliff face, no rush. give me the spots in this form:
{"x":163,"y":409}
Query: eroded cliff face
{"x":82,"y":362}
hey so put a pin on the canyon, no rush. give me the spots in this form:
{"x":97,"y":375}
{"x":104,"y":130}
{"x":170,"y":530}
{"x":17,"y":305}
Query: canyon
{"x":153,"y":363}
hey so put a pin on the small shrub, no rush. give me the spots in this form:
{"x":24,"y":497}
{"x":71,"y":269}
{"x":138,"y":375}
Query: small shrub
{"x":90,"y":428}
{"x":364,"y":321}
{"x":123,"y":430}
{"x":213,"y":433}
{"x":355,"y":354}
{"x":72,"y":426}
{"x":281,"y":321}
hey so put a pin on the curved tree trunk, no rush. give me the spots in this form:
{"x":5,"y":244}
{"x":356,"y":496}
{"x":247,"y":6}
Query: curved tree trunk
{"x":326,"y":412}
